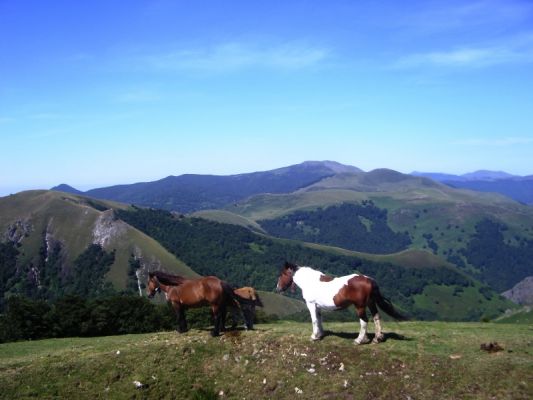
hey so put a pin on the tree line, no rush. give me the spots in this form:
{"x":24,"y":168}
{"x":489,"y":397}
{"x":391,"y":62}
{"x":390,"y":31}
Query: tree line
{"x":242,"y":257}
{"x":360,"y":227}
{"x":75,"y":316}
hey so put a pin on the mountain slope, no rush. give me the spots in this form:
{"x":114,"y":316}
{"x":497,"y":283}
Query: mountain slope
{"x":462,"y":226}
{"x":66,"y":189}
{"x":52,"y":229}
{"x":236,"y":254}
{"x":519,"y":188}
{"x":188,"y":193}
{"x":522,"y":292}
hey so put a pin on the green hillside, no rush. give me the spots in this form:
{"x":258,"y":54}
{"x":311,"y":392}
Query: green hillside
{"x":487,"y":235}
{"x":522,"y":315}
{"x":238,"y":255}
{"x":418,"y":360}
{"x":46,"y":224}
{"x":47,"y":220}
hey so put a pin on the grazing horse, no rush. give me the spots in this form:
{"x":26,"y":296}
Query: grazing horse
{"x":322,"y":292}
{"x":185,"y":293}
{"x":247,"y":308}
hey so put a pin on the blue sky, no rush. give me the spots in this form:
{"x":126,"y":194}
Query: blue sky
{"x":99,"y":93}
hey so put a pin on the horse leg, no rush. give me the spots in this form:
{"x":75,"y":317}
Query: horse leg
{"x":377,"y":323}
{"x":234,"y":317}
{"x":218,"y":310}
{"x":363,"y":320}
{"x":250,"y":317}
{"x":216,"y":316}
{"x":317,"y":334}
{"x":319,"y":321}
{"x":223,"y":312}
{"x":180,"y":314}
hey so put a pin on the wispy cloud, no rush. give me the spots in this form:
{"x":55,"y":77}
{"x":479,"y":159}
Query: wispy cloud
{"x":491,"y":142}
{"x":233,"y":56}
{"x":516,"y":50}
{"x":463,"y":57}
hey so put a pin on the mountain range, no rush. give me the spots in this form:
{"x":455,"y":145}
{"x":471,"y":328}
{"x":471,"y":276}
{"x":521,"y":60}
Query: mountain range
{"x":439,"y":251}
{"x":519,"y":188}
{"x":190,"y":192}
{"x":187,"y":193}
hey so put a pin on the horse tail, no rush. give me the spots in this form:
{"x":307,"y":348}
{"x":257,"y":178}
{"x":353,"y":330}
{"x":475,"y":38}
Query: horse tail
{"x":385,"y":304}
{"x":230,"y":296}
{"x":258,"y":301}
{"x":245,"y":301}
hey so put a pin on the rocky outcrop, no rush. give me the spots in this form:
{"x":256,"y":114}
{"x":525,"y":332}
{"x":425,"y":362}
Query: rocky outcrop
{"x":107,"y":228}
{"x":17,"y":231}
{"x":522,"y":292}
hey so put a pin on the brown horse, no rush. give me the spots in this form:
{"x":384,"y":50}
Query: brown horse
{"x":247,"y":308}
{"x":185,"y":293}
{"x":322,"y":292}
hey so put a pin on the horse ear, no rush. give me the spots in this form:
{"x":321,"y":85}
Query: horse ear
{"x":150,"y":274}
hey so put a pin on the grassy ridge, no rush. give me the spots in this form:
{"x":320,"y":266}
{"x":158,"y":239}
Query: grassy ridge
{"x":418,"y":360}
{"x":71,"y":219}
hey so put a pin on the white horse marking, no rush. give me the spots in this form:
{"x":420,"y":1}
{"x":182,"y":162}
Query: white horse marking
{"x":317,"y":292}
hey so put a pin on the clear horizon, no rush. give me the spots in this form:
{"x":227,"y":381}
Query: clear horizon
{"x":100,"y":94}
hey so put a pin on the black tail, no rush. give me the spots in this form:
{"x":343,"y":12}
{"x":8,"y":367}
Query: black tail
{"x":385,"y":304}
{"x":258,"y":301}
{"x":234,"y":297}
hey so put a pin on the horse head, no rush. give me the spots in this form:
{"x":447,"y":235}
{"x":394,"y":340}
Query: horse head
{"x":285,"y":279}
{"x":153,"y":286}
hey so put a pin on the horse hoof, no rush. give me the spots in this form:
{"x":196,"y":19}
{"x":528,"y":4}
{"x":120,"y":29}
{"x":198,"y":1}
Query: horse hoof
{"x":362,"y":341}
{"x":315,"y":338}
{"x":377,"y":339}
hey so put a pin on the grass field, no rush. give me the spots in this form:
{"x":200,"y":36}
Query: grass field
{"x":419,"y":360}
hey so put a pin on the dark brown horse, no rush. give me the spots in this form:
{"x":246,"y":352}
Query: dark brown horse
{"x":322,"y":292}
{"x":247,"y":307}
{"x":185,"y":293}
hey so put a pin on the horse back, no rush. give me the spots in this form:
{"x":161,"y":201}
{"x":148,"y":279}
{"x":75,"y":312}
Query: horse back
{"x":357,"y":291}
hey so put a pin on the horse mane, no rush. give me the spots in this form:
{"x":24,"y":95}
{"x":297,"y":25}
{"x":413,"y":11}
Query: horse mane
{"x":168,"y":279}
{"x":292,"y":266}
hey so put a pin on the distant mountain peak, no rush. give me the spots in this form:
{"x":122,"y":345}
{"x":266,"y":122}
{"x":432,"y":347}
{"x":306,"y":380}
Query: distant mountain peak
{"x":484,"y":174}
{"x":63,"y":187}
{"x":335,"y":166}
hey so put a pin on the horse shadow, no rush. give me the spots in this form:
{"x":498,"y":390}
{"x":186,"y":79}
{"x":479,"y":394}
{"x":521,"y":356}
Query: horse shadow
{"x":353,"y":335}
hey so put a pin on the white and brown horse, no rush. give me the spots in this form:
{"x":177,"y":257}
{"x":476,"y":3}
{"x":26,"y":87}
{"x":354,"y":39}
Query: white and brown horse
{"x":322,"y":292}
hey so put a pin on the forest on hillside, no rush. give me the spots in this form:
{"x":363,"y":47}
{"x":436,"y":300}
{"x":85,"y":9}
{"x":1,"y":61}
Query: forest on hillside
{"x":241,"y":257}
{"x":360,"y":227}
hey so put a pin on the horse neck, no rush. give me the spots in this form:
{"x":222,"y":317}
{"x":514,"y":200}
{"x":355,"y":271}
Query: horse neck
{"x":165,"y":288}
{"x":306,"y":276}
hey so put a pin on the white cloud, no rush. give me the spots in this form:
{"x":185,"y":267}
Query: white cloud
{"x":511,"y":50}
{"x":464,"y":57}
{"x":236,"y":56}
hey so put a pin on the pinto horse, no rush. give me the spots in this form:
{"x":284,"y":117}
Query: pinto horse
{"x":185,"y":293}
{"x":322,"y":292}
